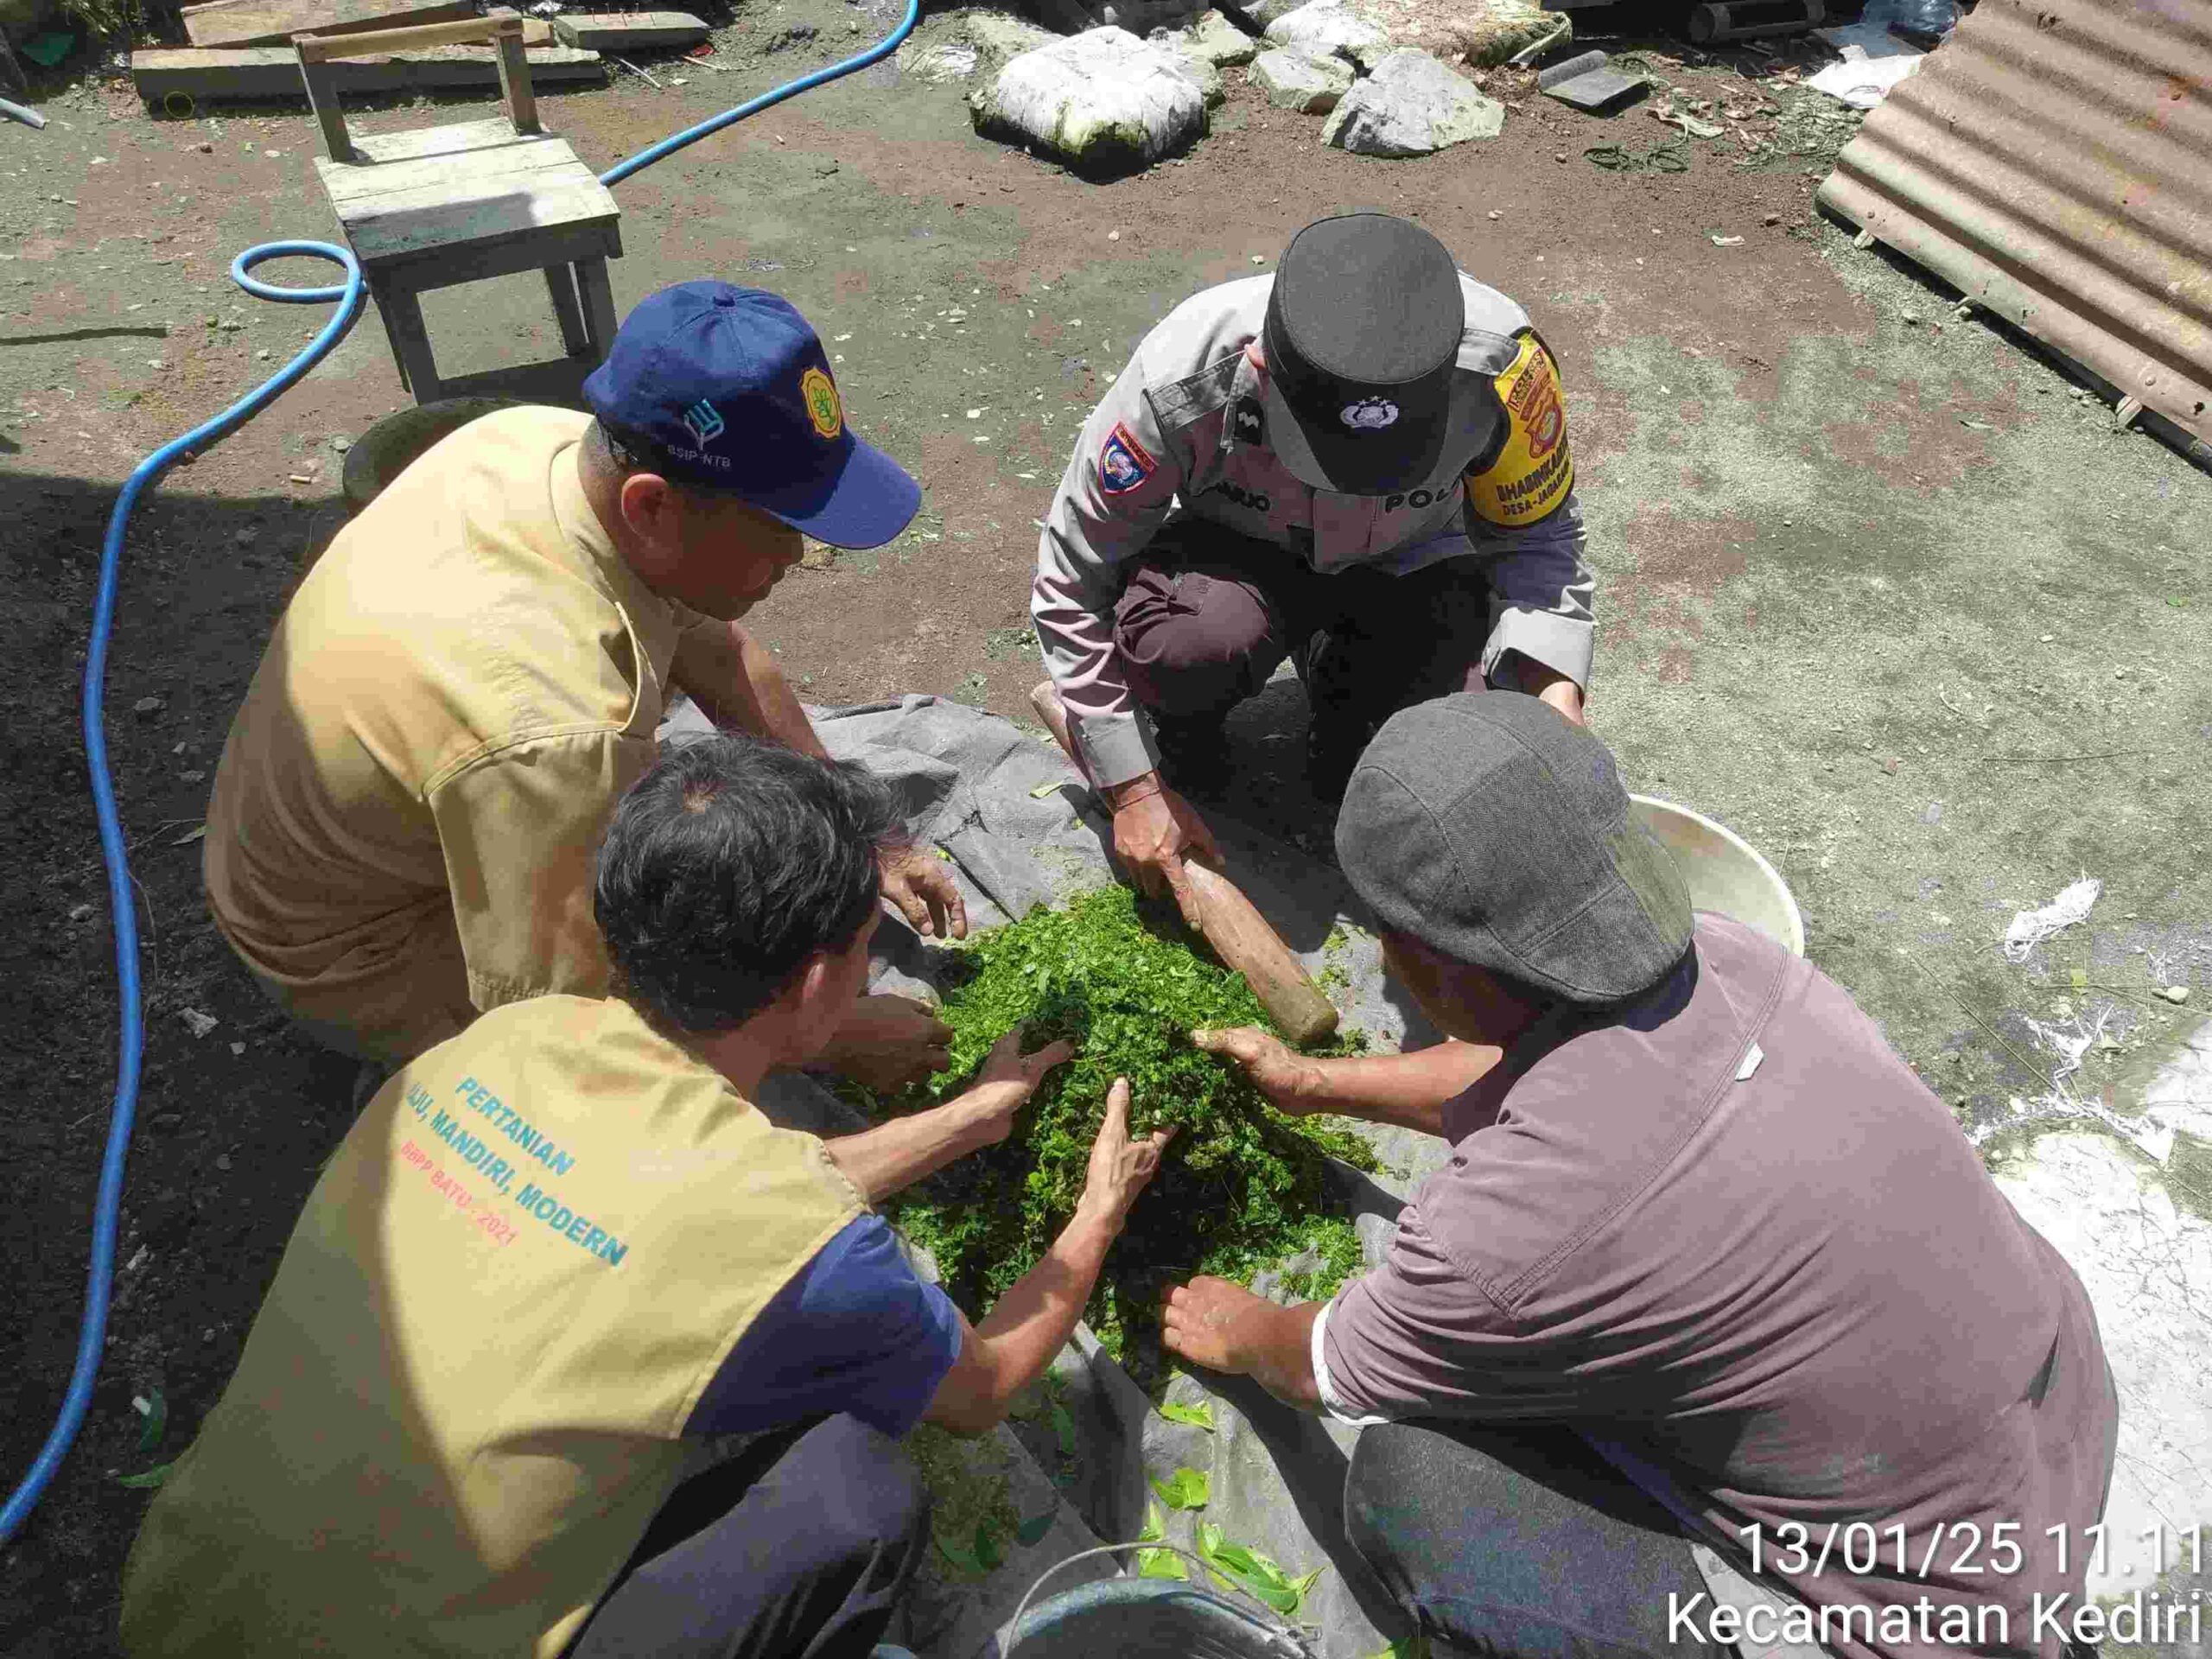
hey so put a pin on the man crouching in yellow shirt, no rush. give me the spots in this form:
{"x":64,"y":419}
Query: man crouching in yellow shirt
{"x":557,"y":1251}
{"x":401,"y":826}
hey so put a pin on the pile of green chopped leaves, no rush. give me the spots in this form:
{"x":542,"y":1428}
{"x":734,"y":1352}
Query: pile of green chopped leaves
{"x":1241,"y":1186}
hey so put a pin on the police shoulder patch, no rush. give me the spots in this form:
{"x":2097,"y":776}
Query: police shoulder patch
{"x":1533,"y":470}
{"x":1123,"y":463}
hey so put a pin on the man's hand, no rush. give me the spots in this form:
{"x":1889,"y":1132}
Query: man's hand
{"x":1007,"y":1078}
{"x":1290,"y":1081}
{"x":1545,"y":683}
{"x":888,"y":1042}
{"x":921,"y":884}
{"x":1120,"y":1167}
{"x":1219,"y":1325}
{"x":1154,"y":829}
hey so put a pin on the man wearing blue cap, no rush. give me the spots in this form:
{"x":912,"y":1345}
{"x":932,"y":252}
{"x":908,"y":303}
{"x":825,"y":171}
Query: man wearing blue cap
{"x":401,"y":827}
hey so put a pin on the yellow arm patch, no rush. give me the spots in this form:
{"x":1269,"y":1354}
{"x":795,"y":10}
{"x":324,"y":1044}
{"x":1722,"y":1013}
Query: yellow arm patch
{"x":1533,"y":471}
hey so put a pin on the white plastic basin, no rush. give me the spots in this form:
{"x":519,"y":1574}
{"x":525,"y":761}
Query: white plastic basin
{"x":1725,"y":873}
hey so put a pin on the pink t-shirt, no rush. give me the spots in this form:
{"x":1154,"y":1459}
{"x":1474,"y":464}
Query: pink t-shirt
{"x":1731,"y":1232}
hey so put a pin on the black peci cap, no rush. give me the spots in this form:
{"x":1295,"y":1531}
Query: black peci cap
{"x":1362,"y":335}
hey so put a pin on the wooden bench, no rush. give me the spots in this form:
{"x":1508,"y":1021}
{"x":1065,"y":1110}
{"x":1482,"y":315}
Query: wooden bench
{"x":436,"y":207}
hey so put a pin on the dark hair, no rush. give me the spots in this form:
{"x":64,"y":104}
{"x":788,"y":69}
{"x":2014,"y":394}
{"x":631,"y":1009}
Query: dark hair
{"x":725,"y":867}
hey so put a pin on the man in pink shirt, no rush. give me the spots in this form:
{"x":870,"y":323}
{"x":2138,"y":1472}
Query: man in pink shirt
{"x":1714,"y":1329}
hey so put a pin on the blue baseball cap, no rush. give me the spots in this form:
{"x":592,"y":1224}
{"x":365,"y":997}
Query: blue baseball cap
{"x":728,"y":388}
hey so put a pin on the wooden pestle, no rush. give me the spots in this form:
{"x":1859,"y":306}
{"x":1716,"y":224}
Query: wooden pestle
{"x":1231,"y":923}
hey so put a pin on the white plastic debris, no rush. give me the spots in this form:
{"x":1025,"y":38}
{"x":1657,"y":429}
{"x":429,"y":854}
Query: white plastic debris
{"x":197,"y":1023}
{"x":1873,"y":61}
{"x":2030,"y":928}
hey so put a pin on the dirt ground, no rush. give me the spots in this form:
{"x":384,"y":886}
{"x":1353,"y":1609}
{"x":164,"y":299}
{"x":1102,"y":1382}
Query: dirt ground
{"x":1875,"y":589}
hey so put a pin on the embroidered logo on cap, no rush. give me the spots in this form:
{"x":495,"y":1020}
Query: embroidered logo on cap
{"x":1370,"y":415}
{"x":704,"y":420}
{"x":824,"y":407}
{"x":1122,"y":463}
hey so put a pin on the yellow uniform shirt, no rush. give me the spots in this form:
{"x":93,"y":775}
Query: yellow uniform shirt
{"x":461,"y":1403}
{"x":402,"y":822}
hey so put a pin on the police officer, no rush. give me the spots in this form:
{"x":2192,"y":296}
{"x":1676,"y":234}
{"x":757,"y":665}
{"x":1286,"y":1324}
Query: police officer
{"x":1360,"y":464}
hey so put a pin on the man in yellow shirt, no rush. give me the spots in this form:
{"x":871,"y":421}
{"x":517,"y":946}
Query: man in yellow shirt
{"x":557,"y":1251}
{"x":401,"y":826}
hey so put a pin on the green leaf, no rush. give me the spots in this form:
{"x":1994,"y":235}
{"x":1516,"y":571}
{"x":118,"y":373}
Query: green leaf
{"x":1158,"y":1563}
{"x":153,"y":1477}
{"x":1242,"y":1567}
{"x":1063,"y":1429}
{"x":1186,"y":1488}
{"x":989,"y":1551}
{"x":1198,"y":1417}
{"x":154,"y":1409}
{"x":1043,"y":790}
{"x":1032,"y":1531}
{"x":959,"y":1554}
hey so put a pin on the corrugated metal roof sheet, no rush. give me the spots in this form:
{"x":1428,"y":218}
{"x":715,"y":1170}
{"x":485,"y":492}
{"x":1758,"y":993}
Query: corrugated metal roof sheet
{"x":2053,"y":161}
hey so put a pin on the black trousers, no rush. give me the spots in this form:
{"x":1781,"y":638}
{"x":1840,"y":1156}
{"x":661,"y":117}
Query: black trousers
{"x":799,"y":1549}
{"x":1521,"y":1544}
{"x":1207,"y":615}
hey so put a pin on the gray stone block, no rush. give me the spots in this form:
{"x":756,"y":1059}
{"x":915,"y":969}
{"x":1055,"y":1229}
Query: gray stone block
{"x":1293,"y":81}
{"x":1410,"y":106}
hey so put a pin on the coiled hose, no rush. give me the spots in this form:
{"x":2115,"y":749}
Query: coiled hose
{"x":92,"y":1337}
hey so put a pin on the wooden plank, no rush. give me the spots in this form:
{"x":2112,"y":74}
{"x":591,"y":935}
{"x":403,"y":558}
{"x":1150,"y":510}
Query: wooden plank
{"x":374,"y":42}
{"x":431,"y":268}
{"x":269,"y":72}
{"x":456,"y":136}
{"x":410,"y":344}
{"x":561,"y":283}
{"x":272,"y":22}
{"x":514,"y":83}
{"x":628,"y":31}
{"x":598,"y":296}
{"x":414,"y":222}
{"x":355,"y":189}
{"x":329,"y":110}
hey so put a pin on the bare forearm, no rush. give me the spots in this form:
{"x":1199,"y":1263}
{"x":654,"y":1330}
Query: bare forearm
{"x":1410,"y":1090}
{"x":733,"y":677}
{"x":1280,"y":1359}
{"x":893,"y":1156}
{"x":1035,"y":1318}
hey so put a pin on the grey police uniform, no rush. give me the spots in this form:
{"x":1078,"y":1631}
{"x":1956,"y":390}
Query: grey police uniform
{"x":1190,"y":429}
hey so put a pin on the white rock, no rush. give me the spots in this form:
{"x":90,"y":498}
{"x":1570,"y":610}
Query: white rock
{"x":1103,"y":102}
{"x":1293,"y":81}
{"x":1214,"y":39}
{"x":1329,"y":28}
{"x":1410,"y":106}
{"x":1258,"y":13}
{"x":1208,"y":76}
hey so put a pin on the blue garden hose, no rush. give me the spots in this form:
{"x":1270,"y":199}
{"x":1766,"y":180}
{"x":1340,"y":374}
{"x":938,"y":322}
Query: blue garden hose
{"x":92,"y":1338}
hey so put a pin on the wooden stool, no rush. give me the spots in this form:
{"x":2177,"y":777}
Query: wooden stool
{"x":440,"y":206}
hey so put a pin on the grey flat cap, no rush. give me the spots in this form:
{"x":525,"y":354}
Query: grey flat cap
{"x":1498,"y":832}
